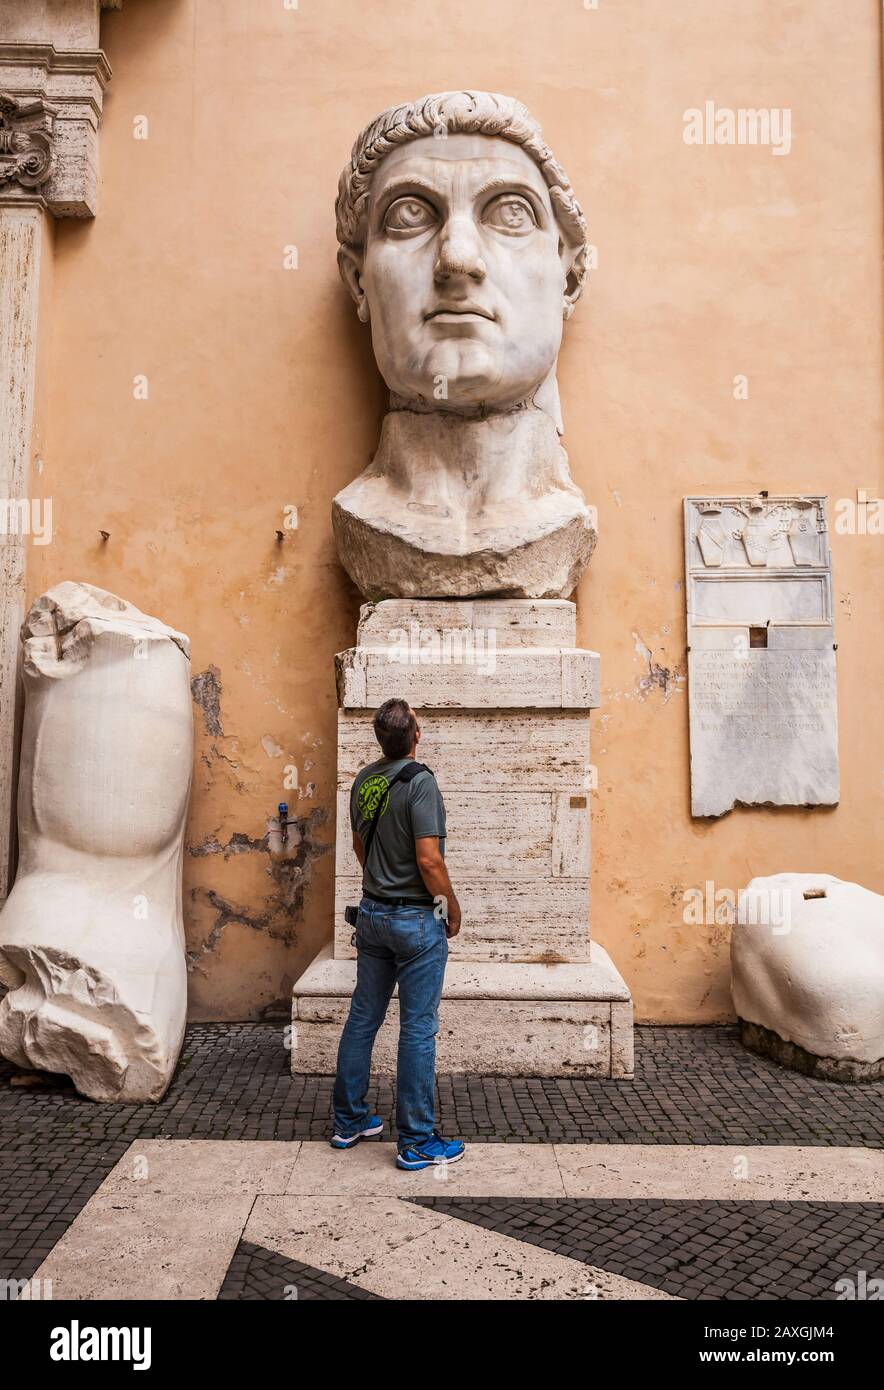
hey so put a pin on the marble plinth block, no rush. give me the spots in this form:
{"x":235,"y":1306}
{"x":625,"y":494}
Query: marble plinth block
{"x":504,"y":697}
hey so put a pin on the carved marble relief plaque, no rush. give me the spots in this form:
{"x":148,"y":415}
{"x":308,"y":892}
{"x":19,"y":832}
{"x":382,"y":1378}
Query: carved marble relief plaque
{"x":761,"y":653}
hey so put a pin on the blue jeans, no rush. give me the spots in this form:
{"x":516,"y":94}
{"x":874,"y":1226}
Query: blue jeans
{"x":405,"y":946}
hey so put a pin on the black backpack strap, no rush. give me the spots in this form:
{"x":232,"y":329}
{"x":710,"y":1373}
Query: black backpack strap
{"x":412,"y":770}
{"x":405,"y":774}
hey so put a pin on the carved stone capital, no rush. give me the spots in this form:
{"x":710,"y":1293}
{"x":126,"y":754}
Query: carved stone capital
{"x":26,"y":128}
{"x":50,"y":111}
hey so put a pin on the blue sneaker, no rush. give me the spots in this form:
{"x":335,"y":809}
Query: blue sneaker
{"x":373,"y":1125}
{"x":435,"y":1151}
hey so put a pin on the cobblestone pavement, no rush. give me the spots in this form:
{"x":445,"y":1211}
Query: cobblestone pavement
{"x":256,"y":1274}
{"x":707,"y":1250}
{"x":692,"y":1086}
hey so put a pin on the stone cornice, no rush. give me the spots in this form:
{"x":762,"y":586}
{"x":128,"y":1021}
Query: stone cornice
{"x":49,"y":59}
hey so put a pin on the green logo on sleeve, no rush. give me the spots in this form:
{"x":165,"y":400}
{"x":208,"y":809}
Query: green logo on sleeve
{"x":373,"y":793}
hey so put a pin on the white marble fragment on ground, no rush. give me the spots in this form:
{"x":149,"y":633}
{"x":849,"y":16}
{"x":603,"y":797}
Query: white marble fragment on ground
{"x":808,"y":965}
{"x":91,"y":937}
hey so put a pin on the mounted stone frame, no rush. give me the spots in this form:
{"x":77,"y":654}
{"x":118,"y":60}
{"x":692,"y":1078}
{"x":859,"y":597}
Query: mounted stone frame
{"x":761,"y":653}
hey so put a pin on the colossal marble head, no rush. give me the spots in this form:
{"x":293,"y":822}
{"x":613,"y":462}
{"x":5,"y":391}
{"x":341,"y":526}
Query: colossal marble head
{"x":464,"y":248}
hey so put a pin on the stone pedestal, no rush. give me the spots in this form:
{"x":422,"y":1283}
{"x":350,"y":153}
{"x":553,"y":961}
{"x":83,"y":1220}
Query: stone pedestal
{"x":504,"y":698}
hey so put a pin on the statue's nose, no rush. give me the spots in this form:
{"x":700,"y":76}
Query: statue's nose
{"x":459,"y":251}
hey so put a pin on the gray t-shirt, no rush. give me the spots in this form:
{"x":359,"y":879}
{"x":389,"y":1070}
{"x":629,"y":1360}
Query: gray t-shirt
{"x":411,"y":810}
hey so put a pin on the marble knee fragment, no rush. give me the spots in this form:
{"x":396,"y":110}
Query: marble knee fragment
{"x":91,"y":936}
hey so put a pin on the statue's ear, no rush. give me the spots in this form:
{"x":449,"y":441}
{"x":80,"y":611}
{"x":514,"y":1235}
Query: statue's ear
{"x":573,"y":258}
{"x":350,"y":261}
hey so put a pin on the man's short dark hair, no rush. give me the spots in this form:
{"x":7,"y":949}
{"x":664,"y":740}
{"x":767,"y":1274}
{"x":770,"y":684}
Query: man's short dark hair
{"x":394,"y":728}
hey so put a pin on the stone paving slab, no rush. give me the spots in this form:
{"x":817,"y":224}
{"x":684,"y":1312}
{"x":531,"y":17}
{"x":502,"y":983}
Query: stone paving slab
{"x":198,"y":1168}
{"x":370,"y":1169}
{"x":147,"y":1245}
{"x":722,"y":1173}
{"x":221,"y":1168}
{"x":377,"y":1243}
{"x":341,"y":1234}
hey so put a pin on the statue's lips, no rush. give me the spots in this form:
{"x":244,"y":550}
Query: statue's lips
{"x":460,"y":313}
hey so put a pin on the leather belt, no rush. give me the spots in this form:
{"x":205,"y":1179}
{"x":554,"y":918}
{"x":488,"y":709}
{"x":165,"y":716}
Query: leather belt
{"x":398,"y":902}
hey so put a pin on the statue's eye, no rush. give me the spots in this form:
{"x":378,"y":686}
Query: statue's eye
{"x":510,"y":213}
{"x":409,"y":215}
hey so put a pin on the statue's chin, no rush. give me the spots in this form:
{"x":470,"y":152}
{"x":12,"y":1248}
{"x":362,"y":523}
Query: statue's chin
{"x":461,"y":375}
{"x":460,"y":396}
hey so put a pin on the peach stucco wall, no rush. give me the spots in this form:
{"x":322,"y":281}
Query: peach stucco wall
{"x":712,"y":261}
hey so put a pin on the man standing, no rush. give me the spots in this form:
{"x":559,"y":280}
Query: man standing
{"x":397,"y":816}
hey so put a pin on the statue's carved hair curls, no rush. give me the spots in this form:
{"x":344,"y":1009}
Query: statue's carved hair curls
{"x":453,"y":113}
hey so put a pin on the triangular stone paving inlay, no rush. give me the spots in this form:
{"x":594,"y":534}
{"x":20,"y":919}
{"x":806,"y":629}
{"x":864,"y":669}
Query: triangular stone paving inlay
{"x":256,"y":1274}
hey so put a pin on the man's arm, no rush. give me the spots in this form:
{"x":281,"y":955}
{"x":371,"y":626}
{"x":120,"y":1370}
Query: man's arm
{"x":432,"y":868}
{"x":358,"y":849}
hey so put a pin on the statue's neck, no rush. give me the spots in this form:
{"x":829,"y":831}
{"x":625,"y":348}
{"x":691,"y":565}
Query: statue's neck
{"x":441,"y":457}
{"x":420,"y":405}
